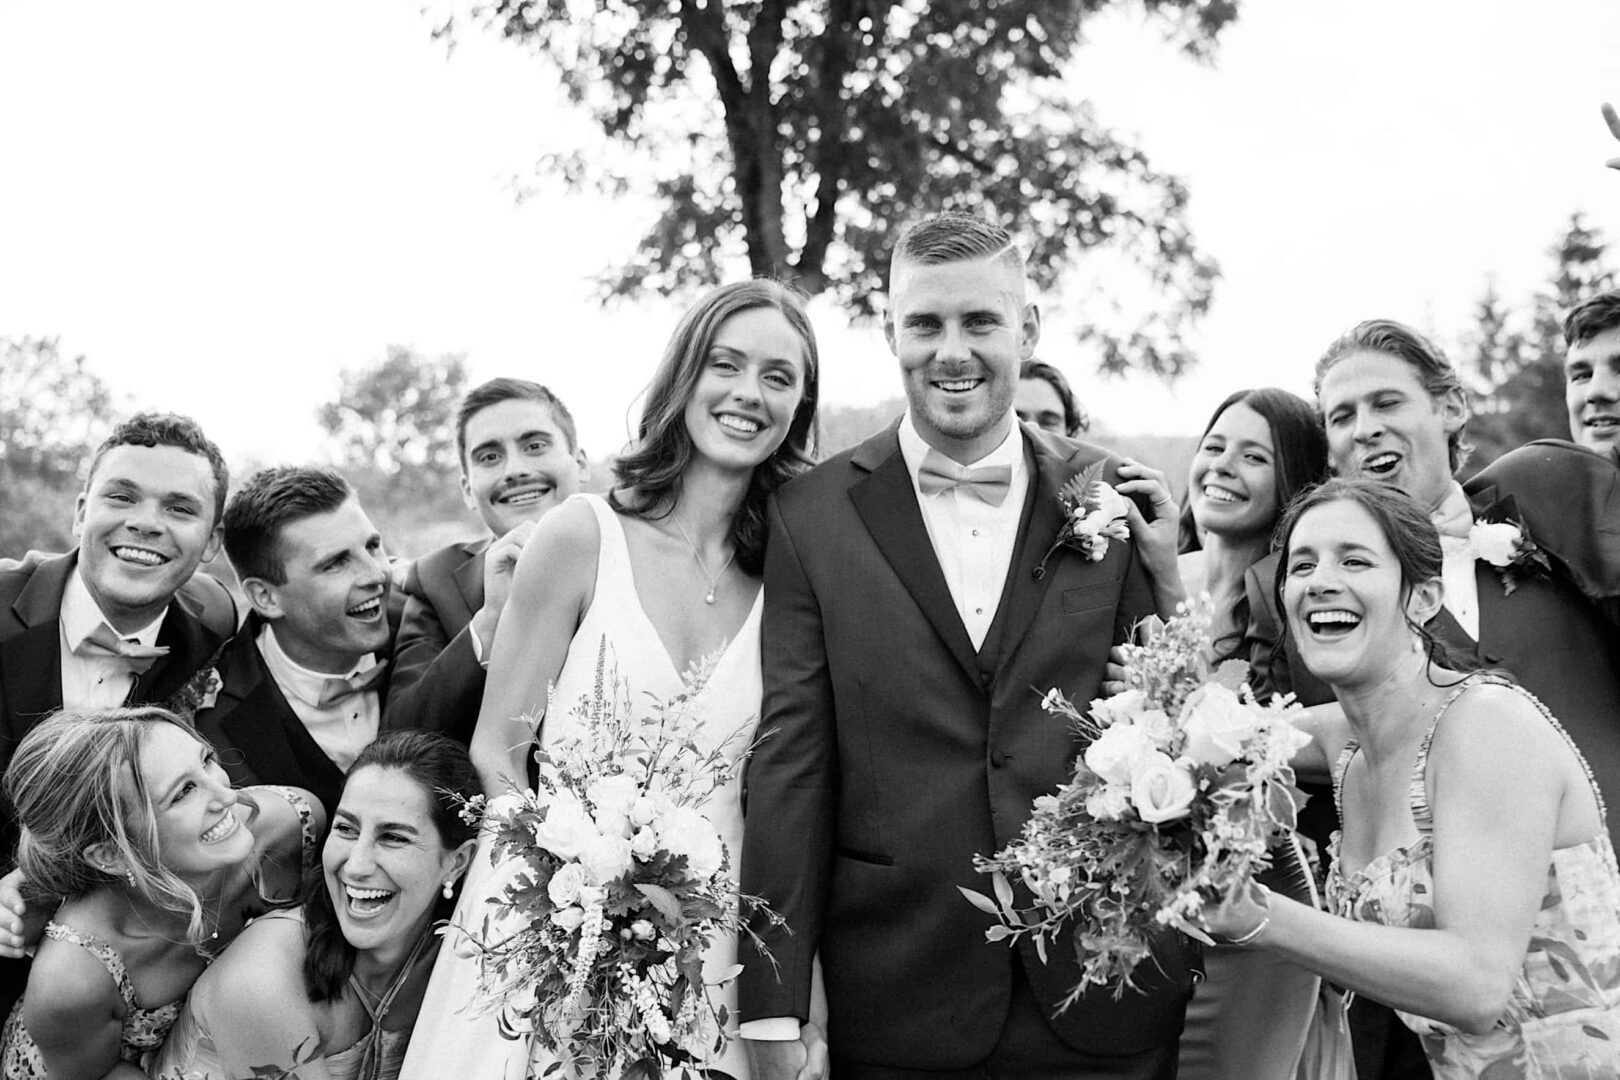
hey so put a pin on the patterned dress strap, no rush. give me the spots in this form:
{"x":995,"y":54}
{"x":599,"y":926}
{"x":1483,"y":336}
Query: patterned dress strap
{"x":1418,"y":789}
{"x":1340,"y":767}
{"x":306,"y":821}
{"x":101,"y":951}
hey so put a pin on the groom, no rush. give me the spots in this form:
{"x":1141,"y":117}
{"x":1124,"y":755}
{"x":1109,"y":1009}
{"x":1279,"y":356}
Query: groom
{"x":908,"y":638}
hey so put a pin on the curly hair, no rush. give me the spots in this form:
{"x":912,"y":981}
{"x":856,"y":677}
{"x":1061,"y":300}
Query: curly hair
{"x":169,"y":429}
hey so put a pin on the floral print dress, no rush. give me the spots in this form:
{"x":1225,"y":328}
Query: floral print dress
{"x":1562,"y":1021}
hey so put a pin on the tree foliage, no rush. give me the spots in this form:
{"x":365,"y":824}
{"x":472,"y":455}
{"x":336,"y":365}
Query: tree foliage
{"x":1514,"y":354}
{"x":54,"y":411}
{"x":801,"y":133}
{"x":393,"y":432}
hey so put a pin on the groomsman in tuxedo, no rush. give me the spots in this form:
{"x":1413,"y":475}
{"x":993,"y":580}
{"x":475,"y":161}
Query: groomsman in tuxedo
{"x":302,"y":684}
{"x":124,"y":618}
{"x":519,"y":458}
{"x":910,"y":630}
{"x":1592,"y":373}
{"x":1395,"y":411}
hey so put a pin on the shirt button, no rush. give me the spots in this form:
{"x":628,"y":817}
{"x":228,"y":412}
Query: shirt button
{"x":978,"y":611}
{"x":975,"y":532}
{"x":997,"y":759}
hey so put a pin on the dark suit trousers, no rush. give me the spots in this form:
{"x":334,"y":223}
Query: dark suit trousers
{"x":1027,"y":1049}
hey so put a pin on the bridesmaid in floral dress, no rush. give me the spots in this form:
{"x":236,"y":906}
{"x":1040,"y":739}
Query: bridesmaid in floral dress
{"x":1475,"y":884}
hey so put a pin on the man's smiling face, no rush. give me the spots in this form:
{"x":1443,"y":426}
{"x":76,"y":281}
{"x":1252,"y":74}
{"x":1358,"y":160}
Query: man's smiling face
{"x":144,"y":522}
{"x":960,"y":330}
{"x":519,"y":463}
{"x":1592,"y":391}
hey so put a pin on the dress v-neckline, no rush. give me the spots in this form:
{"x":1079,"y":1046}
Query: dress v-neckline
{"x":728,"y":642}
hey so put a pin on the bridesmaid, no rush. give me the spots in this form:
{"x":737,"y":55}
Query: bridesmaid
{"x":1260,"y":449}
{"x":1474,"y":883}
{"x":128,"y":817}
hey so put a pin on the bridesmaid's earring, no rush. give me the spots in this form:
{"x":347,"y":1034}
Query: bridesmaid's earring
{"x":448,"y":890}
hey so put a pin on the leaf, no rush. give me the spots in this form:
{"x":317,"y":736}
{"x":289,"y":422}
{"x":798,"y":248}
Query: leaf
{"x":980,"y":901}
{"x":997,"y":933}
{"x":1004,"y":891}
{"x":662,"y":899}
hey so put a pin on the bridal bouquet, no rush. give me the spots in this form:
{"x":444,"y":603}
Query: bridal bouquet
{"x":616,"y":882}
{"x":1183,"y":785}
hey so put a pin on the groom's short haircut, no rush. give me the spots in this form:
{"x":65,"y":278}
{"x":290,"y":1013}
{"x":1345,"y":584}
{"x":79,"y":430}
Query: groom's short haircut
{"x":955,"y":237}
{"x":502,"y":389}
{"x":1592,"y":317}
{"x":271,"y":500}
{"x":1433,"y":370}
{"x":168,"y":429}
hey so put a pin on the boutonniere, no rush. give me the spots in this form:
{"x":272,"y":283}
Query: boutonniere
{"x":1093,"y":514}
{"x":200,"y":692}
{"x":1507,"y":546}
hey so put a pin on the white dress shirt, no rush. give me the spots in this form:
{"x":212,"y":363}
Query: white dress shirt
{"x":973,"y":542}
{"x":95,"y":682}
{"x":341,"y":730}
{"x":1457,"y":568}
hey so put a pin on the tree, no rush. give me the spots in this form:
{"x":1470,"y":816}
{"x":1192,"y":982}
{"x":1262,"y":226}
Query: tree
{"x":1516,"y":356}
{"x":800,"y":133}
{"x":54,"y":411}
{"x":393,"y":430}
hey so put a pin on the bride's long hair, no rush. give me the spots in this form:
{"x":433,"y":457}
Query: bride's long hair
{"x":650,"y":472}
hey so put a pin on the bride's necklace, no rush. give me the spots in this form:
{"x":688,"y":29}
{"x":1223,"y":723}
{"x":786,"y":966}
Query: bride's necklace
{"x":714,"y":579}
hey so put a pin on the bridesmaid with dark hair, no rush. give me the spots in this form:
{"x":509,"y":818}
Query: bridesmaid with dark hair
{"x":330,"y":990}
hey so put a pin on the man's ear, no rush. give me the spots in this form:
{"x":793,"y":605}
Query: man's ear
{"x":889,"y":332}
{"x":1029,"y":331}
{"x":1424,"y":601}
{"x":78,"y":512}
{"x":467,"y":499}
{"x":1452,"y":405}
{"x":215,"y":539}
{"x":263,"y":596}
{"x":584,"y":464}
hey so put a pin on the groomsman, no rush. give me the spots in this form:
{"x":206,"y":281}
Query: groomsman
{"x":302,"y":683}
{"x":124,"y":618}
{"x":1395,"y":411}
{"x":1592,"y":373}
{"x":519,"y":458}
{"x":908,"y":637}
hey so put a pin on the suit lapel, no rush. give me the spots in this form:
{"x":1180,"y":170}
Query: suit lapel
{"x":887,"y":505}
{"x":253,"y":716}
{"x":189,"y":645}
{"x":1038,"y":526}
{"x":469,"y":579}
{"x":33,"y":658}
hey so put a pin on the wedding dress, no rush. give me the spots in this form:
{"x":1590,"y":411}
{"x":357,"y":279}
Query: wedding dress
{"x":452,"y":1038}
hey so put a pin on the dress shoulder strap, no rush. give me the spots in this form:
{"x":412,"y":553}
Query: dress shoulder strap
{"x":1340,"y":767}
{"x":613,"y":551}
{"x":1418,"y":790}
{"x":101,"y":951}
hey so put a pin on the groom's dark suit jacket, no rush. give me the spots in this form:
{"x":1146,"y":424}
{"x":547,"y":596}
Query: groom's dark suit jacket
{"x":437,"y":682}
{"x":896,"y":753}
{"x":259,"y":737}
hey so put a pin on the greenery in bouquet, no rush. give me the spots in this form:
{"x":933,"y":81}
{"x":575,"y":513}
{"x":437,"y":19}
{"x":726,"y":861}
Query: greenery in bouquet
{"x":1183,"y":785}
{"x":615,"y":884}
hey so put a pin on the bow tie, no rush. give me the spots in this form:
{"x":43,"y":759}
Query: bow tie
{"x":1454,"y":518}
{"x":104,"y":641}
{"x":334,"y":690}
{"x":987,"y":483}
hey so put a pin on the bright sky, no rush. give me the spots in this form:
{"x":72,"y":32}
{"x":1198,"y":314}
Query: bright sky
{"x":223,"y":205}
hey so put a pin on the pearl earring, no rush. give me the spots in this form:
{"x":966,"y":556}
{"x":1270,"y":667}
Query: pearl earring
{"x":449,"y":889}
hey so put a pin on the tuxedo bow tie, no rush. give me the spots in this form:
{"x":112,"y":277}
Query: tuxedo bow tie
{"x":334,"y":690}
{"x":987,"y":483}
{"x":104,"y":641}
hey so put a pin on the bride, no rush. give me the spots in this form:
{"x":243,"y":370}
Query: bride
{"x":667,"y":571}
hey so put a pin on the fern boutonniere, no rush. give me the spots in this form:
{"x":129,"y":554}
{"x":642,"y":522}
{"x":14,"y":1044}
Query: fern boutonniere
{"x":1093,"y":514}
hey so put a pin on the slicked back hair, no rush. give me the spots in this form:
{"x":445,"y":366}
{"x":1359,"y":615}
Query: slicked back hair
{"x":502,"y":389}
{"x":1395,"y":339}
{"x":955,"y":237}
{"x":1592,"y":317}
{"x":169,"y":429}
{"x":271,"y":500}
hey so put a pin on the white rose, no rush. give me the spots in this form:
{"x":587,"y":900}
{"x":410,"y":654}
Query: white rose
{"x":565,"y":884}
{"x":1161,"y":789}
{"x":1217,"y":725}
{"x":1114,"y":754}
{"x":1121,"y":708}
{"x":1110,"y":503}
{"x":605,"y":858}
{"x":614,"y":797}
{"x":1497,"y":542}
{"x":568,"y":918}
{"x":1109,"y":802}
{"x":643,"y":811}
{"x":567,"y":826}
{"x":644,"y":845}
{"x":684,"y":831}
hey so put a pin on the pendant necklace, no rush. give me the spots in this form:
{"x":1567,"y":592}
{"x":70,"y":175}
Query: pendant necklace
{"x":714,"y":579}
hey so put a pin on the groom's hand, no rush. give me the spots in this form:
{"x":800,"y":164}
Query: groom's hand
{"x":783,"y":1059}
